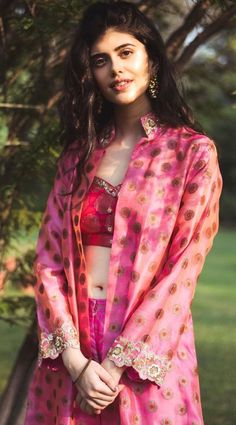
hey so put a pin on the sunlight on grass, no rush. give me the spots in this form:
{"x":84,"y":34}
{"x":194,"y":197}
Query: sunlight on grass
{"x":215,"y":331}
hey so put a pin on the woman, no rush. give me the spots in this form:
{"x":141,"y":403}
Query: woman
{"x":129,"y":222}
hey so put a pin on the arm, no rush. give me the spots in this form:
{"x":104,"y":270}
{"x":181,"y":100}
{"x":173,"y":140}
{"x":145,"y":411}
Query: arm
{"x":57,"y":333}
{"x":56,"y":328}
{"x":152,"y":334}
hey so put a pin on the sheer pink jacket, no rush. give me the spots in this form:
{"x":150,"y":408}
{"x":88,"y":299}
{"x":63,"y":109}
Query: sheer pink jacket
{"x":165,"y":222}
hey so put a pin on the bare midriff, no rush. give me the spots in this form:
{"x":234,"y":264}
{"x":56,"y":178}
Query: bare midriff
{"x":97,"y":265}
{"x":112,"y":168}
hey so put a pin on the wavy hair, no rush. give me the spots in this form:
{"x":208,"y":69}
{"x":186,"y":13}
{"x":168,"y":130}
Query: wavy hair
{"x":78,"y":108}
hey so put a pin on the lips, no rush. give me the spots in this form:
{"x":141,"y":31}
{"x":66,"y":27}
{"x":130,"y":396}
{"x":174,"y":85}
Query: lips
{"x":120,"y":84}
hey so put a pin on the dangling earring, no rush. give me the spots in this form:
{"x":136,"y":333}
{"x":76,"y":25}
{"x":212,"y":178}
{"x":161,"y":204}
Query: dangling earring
{"x":153,"y":87}
{"x":99,"y":103}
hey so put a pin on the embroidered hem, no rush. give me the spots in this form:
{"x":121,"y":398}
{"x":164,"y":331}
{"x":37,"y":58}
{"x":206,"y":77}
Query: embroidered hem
{"x":52,"y":344}
{"x":138,"y":355}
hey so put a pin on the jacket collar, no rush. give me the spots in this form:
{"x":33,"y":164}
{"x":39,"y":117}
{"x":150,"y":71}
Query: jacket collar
{"x":149,"y":123}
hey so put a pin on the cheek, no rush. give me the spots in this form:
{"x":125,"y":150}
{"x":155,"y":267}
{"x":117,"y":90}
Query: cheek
{"x":141,"y":67}
{"x":100,"y":78}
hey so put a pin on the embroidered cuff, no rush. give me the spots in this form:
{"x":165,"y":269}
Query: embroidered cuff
{"x":52,"y":344}
{"x":138,"y":355}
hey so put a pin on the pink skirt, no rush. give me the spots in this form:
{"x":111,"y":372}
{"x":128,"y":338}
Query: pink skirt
{"x":96,"y":320}
{"x":52,"y":377}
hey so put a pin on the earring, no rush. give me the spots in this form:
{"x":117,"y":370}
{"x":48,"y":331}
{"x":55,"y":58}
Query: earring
{"x":153,"y":87}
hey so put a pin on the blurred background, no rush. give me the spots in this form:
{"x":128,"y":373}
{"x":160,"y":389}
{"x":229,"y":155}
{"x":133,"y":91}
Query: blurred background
{"x":200,"y":39}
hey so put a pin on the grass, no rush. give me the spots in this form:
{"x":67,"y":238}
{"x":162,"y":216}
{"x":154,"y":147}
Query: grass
{"x":215,"y":333}
{"x":11,"y":339}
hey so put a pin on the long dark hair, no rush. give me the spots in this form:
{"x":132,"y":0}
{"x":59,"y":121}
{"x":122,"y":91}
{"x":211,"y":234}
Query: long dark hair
{"x":79,"y":106}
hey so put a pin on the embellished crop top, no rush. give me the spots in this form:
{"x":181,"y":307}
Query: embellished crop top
{"x":98,"y":213}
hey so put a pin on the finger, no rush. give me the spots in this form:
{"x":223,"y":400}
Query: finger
{"x":103,"y":389}
{"x":99,"y":404}
{"x":78,"y":399}
{"x":81,"y":402}
{"x":98,"y":386}
{"x":91,"y":411}
{"x":100,"y":397}
{"x":107,"y":379}
{"x":97,"y":411}
{"x":85,"y":407}
{"x":121,"y":387}
{"x":102,"y":394}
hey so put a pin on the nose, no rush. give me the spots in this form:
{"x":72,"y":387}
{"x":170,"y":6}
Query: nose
{"x":116,"y":66}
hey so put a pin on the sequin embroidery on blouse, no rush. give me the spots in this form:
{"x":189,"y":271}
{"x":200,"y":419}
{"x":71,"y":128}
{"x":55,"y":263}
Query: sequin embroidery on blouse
{"x":109,"y":188}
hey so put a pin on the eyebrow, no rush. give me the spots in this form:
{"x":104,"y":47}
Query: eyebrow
{"x":117,"y":48}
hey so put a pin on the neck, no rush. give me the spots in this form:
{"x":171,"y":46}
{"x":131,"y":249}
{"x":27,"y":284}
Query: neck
{"x":127,"y":120}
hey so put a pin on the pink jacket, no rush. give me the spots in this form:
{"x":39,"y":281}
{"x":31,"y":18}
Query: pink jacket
{"x":165,"y":222}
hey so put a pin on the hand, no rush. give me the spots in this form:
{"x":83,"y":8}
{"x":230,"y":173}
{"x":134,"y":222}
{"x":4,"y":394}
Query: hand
{"x":115,"y":371}
{"x":96,"y":388}
{"x":85,"y":407}
{"x":75,"y":361}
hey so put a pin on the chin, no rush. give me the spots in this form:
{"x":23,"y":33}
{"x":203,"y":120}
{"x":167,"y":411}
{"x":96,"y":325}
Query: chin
{"x":125,"y":102}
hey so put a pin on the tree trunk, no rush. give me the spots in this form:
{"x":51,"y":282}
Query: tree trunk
{"x":13,"y":400}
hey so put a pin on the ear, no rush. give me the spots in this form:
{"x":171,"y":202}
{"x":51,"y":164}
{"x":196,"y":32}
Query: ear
{"x":153,"y":68}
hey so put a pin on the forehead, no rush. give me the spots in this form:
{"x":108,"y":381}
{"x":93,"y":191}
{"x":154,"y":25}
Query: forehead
{"x":112,"y":38}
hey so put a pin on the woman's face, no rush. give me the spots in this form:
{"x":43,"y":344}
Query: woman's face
{"x":121,"y":67}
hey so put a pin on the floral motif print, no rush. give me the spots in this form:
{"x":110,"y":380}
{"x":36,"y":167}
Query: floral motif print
{"x":153,"y":272}
{"x":146,"y":363}
{"x":54,"y":343}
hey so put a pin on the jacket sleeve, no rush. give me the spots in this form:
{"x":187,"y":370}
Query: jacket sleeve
{"x":56,"y":330}
{"x":152,"y":334}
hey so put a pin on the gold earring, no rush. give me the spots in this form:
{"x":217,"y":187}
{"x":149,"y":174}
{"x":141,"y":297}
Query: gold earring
{"x":153,"y":87}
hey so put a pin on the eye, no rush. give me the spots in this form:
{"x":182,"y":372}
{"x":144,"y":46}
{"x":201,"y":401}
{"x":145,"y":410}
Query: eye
{"x":126,"y":53}
{"x":98,"y":62}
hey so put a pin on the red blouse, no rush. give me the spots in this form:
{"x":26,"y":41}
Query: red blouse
{"x":98,"y":212}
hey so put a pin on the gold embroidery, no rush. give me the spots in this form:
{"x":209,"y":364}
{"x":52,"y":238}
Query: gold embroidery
{"x":117,"y":351}
{"x":109,"y":188}
{"x":138,"y":355}
{"x":52,"y":344}
{"x":150,"y":123}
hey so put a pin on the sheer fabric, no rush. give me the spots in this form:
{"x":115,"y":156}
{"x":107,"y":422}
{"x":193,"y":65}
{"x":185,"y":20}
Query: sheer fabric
{"x":98,"y":213}
{"x":166,"y":218}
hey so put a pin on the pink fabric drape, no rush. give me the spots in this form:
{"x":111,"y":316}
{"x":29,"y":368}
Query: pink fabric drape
{"x":167,"y":216}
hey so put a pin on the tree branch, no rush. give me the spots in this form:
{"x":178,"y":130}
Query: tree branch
{"x":40,"y":108}
{"x":176,"y":39}
{"x":209,"y":31}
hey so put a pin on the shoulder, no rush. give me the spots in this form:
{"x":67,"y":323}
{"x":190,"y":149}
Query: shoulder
{"x":189,"y":144}
{"x":186,"y":137}
{"x":66,"y":167}
{"x":189,"y":151}
{"x":70,"y":157}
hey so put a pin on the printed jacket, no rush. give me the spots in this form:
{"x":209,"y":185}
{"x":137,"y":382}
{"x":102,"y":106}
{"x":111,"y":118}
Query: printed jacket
{"x":166,"y":218}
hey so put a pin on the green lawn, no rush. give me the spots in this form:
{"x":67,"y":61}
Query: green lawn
{"x":215,"y":331}
{"x":11,"y":339}
{"x":214,"y":315}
